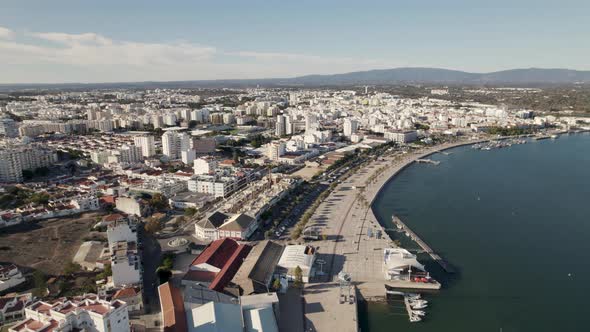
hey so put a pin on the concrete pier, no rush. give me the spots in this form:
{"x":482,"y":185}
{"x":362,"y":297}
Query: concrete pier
{"x":436,"y":257}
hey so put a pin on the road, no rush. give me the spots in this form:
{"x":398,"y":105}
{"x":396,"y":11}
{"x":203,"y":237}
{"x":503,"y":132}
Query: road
{"x":151,"y":258}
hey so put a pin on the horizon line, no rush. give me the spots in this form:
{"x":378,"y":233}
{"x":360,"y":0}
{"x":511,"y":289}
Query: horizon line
{"x":288,"y":78}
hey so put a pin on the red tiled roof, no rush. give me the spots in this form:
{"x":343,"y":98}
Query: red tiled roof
{"x":125,"y":293}
{"x":217,"y":253}
{"x":173,"y":315}
{"x":108,"y":199}
{"x":202,"y":276}
{"x":231,"y":267}
{"x":113,"y":217}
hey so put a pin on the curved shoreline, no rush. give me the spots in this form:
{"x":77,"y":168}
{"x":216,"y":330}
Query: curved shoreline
{"x":395,"y":172}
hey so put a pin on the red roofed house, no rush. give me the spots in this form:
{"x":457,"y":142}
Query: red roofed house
{"x":12,"y":307}
{"x":131,"y":296}
{"x":217,"y":264}
{"x":172,"y":305}
{"x":81,"y":313}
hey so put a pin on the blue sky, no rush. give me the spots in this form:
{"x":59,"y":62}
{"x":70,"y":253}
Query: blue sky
{"x":125,"y":40}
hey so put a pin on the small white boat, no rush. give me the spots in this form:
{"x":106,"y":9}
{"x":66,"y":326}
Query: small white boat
{"x":413,"y":296}
{"x":415,"y":318}
{"x":418,"y":312}
{"x":418,"y":302}
{"x":419,"y":306}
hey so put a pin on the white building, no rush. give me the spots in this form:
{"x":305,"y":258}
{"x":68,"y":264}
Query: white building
{"x":401,"y":136}
{"x":16,"y":158}
{"x":121,"y":230}
{"x":174,"y":143}
{"x":204,"y":166}
{"x":280,"y":126}
{"x":129,"y":154}
{"x":275,"y":150}
{"x":125,"y":259}
{"x":85,"y":202}
{"x":147,"y":145}
{"x":125,"y":264}
{"x":350,"y":127}
{"x":302,"y":256}
{"x":10,"y":276}
{"x":400,"y":264}
{"x":86,"y":313}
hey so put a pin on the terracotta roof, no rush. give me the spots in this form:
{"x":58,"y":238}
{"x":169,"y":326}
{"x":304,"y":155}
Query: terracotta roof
{"x":172,"y":304}
{"x":217,"y":253}
{"x":125,"y":293}
{"x":113,"y":217}
{"x":231,"y":267}
{"x":202,"y":276}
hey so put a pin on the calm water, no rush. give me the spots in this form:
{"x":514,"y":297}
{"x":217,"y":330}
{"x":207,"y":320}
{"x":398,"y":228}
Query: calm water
{"x":516,"y":224}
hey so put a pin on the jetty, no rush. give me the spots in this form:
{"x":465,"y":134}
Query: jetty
{"x":427,"y":249}
{"x":428,"y":161}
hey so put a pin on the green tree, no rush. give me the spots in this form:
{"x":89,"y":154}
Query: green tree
{"x":107,"y":272}
{"x":158,"y":202}
{"x":298,"y":276}
{"x":190,"y":211}
{"x":39,"y":198}
{"x":276,"y":284}
{"x":71,"y":268}
{"x":40,"y":282}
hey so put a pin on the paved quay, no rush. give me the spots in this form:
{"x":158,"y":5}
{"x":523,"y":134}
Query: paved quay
{"x":345,"y":217}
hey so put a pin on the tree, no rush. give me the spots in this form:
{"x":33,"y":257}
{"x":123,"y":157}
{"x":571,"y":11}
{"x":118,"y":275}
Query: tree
{"x":41,"y":171}
{"x":39,"y":198}
{"x":276,"y":284}
{"x":298,"y":274}
{"x":190,"y":211}
{"x":158,"y":202}
{"x":108,"y":271}
{"x":153,"y":226}
{"x":40,"y":281}
{"x":71,"y":268}
{"x":27,"y":174}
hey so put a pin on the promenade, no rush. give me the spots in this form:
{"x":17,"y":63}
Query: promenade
{"x":345,"y":217}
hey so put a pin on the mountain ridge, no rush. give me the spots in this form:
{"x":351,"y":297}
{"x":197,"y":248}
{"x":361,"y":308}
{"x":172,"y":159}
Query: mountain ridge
{"x":392,"y":76}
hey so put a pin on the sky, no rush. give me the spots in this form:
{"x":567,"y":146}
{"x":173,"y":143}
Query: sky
{"x":61,"y":41}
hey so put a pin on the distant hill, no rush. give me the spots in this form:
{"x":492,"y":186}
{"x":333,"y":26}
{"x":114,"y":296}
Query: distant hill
{"x":446,"y":76}
{"x":530,"y":76}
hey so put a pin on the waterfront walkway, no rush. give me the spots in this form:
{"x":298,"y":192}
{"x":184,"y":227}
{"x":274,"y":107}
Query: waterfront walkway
{"x":345,"y":217}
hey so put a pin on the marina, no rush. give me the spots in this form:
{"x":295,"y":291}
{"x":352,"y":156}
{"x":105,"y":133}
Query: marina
{"x":498,"y":144}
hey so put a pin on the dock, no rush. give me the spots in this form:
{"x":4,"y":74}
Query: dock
{"x":428,"y":161}
{"x":436,"y":257}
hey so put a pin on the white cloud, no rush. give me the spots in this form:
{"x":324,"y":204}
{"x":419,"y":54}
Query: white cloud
{"x":73,"y":39}
{"x":6,"y":33}
{"x":91,"y":57}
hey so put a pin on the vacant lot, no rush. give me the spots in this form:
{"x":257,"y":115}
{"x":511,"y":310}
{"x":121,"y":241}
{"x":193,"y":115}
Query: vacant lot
{"x":47,"y":245}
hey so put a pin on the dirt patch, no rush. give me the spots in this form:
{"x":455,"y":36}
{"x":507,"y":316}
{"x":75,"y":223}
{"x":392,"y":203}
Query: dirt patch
{"x":47,"y":245}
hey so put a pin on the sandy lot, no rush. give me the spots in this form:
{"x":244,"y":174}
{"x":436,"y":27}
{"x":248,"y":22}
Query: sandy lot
{"x":47,"y":245}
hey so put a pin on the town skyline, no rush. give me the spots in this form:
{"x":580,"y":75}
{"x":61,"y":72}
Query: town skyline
{"x":69,"y":42}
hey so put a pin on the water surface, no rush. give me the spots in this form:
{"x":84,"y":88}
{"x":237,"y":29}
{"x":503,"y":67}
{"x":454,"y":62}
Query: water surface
{"x":515,"y":222}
